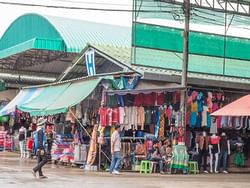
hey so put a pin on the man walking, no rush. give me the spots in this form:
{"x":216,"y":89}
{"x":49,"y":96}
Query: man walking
{"x":115,"y":151}
{"x":39,"y":146}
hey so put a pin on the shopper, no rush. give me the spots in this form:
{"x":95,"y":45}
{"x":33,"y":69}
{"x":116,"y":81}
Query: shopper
{"x":40,"y":150}
{"x":224,"y":152}
{"x":115,"y":151}
{"x":22,"y":141}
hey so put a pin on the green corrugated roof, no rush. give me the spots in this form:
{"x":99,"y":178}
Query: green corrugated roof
{"x":119,"y":53}
{"x":73,"y":35}
{"x":197,"y":63}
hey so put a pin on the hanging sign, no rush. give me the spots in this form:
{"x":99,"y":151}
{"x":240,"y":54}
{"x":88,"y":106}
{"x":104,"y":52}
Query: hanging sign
{"x":90,"y":62}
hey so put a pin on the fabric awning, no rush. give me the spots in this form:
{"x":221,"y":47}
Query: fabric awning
{"x":23,"y":96}
{"x":56,"y":99}
{"x":73,"y":95}
{"x":239,"y":107}
{"x":48,"y":96}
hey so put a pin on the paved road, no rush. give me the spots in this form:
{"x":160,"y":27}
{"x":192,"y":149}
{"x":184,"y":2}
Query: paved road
{"x":16,"y":173}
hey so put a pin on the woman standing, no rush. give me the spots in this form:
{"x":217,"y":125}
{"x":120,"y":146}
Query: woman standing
{"x":22,"y":141}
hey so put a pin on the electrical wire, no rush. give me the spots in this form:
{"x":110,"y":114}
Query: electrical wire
{"x":237,"y":18}
{"x":88,"y":8}
{"x":81,"y":8}
{"x":159,"y":4}
{"x":176,"y":12}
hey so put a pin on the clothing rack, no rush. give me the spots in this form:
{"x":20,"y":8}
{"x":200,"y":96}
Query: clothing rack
{"x":219,"y":90}
{"x":129,"y":137}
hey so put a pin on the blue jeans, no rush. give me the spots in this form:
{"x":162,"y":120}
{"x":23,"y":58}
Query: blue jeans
{"x":115,"y":163}
{"x":223,"y":159}
{"x":159,"y":160}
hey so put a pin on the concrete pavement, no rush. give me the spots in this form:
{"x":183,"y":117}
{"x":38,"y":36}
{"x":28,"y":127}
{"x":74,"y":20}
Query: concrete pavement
{"x":16,"y":173}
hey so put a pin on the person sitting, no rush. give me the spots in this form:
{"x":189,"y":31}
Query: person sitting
{"x":156,"y":157}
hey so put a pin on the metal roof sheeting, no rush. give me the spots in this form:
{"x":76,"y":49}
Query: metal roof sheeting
{"x":197,"y":63}
{"x":56,"y":33}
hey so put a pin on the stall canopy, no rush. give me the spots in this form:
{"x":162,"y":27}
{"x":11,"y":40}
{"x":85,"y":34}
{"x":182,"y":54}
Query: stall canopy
{"x":240,"y":107}
{"x":56,"y":99}
{"x":147,"y":87}
{"x":23,"y":96}
{"x":49,"y":95}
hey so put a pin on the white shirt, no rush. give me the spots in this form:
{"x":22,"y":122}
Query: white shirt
{"x":116,"y":141}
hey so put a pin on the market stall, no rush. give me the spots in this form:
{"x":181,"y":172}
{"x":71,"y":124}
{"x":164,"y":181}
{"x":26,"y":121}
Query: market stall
{"x":237,"y":114}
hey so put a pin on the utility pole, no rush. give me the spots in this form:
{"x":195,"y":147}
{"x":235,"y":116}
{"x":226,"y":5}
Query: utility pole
{"x":186,"y":6}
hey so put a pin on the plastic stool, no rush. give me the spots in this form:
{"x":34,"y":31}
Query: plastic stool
{"x":193,"y":167}
{"x":153,"y":166}
{"x":145,"y":167}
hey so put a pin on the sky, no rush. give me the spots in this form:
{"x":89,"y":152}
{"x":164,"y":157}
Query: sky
{"x":11,"y":12}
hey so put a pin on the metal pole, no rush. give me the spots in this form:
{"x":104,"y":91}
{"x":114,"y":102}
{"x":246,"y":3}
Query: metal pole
{"x":80,"y":123}
{"x":185,"y":64}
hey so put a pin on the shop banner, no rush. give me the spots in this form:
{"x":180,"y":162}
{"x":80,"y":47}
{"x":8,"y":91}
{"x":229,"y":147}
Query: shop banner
{"x":90,"y":62}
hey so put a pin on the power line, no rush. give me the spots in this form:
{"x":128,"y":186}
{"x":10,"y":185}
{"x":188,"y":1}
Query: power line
{"x":175,"y":12}
{"x":109,"y":4}
{"x":83,"y":8}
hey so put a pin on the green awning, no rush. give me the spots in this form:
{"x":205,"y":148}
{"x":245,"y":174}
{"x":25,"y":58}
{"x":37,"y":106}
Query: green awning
{"x":57,"y":99}
{"x":73,"y":95}
{"x":47,"y":97}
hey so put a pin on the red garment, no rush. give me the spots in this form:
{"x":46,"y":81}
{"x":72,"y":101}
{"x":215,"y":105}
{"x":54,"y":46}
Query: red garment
{"x":169,"y":112}
{"x":33,"y":127}
{"x":215,"y":107}
{"x":177,"y":97}
{"x":49,"y":128}
{"x":194,"y":95}
{"x":103,"y":116}
{"x":115,"y":116}
{"x":109,"y":116}
{"x":30,"y":142}
{"x":219,"y":96}
{"x":160,"y":98}
{"x":150,"y":99}
{"x":214,"y":139}
{"x":139,"y":100}
{"x":188,"y":114}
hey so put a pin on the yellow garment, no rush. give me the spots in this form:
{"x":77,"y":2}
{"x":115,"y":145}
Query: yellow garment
{"x":112,"y":130}
{"x":194,"y":107}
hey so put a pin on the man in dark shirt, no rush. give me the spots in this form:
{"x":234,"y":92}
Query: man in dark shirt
{"x":40,"y":142}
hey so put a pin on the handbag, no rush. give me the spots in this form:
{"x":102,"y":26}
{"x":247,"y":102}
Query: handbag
{"x":40,"y":152}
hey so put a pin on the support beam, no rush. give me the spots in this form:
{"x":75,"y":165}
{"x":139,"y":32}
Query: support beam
{"x":198,"y":81}
{"x":240,"y":7}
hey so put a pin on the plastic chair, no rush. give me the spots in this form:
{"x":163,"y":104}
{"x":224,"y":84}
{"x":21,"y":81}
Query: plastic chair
{"x":145,"y":167}
{"x":193,"y":167}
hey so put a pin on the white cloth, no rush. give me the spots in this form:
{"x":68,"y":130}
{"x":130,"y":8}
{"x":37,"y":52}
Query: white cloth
{"x":121,"y":115}
{"x":213,"y":128}
{"x":204,"y":116}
